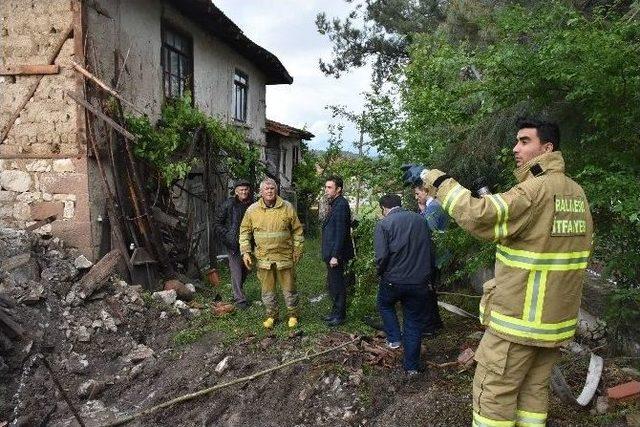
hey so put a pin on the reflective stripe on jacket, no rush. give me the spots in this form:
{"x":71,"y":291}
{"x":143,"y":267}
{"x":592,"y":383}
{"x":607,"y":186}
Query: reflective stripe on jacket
{"x":276,"y":232}
{"x":543,"y":230}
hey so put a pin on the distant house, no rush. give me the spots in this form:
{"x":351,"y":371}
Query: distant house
{"x":282,"y":151}
{"x":151,"y":51}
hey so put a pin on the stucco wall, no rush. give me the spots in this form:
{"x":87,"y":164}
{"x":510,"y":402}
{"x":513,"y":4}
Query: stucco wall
{"x":137,"y":26}
{"x":43,"y":168}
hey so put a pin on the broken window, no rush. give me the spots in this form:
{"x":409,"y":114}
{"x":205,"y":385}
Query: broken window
{"x":240,"y":89}
{"x":177,"y":62}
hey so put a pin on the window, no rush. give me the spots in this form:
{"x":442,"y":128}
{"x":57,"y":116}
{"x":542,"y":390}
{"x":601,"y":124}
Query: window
{"x":240,"y":89}
{"x":177,"y":60}
{"x":284,"y":160}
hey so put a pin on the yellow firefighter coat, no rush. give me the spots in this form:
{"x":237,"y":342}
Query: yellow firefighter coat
{"x":543,"y":230}
{"x":276,"y":232}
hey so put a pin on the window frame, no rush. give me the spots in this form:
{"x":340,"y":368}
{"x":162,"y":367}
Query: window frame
{"x":238,"y":75}
{"x":185,"y":80}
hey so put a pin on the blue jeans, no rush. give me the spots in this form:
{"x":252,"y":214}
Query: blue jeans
{"x":414,"y":300}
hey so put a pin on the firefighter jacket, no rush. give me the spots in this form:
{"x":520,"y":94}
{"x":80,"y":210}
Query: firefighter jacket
{"x":271,"y":234}
{"x":543,"y":230}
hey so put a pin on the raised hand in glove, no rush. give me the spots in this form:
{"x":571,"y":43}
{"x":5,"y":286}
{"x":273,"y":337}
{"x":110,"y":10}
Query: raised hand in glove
{"x":411,"y":176}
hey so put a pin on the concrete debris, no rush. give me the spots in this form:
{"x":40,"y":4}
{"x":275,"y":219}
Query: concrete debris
{"x":82,"y":263}
{"x":91,"y":389}
{"x":223,"y":365}
{"x":139,"y":353}
{"x":83,"y":334}
{"x":77,"y":363}
{"x":165,"y":297}
{"x":108,"y":321}
{"x":180,"y":305}
{"x":602,"y":405}
{"x":136,"y":370}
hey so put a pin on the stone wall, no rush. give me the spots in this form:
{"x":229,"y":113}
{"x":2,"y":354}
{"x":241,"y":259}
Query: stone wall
{"x":43,"y":166}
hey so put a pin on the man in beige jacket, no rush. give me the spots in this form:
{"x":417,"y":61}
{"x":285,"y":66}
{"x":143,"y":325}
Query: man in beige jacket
{"x":543,"y":230}
{"x":273,"y":225}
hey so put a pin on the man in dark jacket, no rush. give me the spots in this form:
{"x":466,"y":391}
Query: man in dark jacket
{"x":403,"y":259}
{"x":227,"y":226}
{"x":337,"y":247}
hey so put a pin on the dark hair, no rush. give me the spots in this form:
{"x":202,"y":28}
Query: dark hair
{"x":337,"y":180}
{"x":390,"y":201}
{"x":547,"y":131}
{"x":242,"y":183}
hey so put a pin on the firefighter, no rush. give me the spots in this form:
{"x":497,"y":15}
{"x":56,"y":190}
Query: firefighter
{"x":273,"y":225}
{"x":543,"y":230}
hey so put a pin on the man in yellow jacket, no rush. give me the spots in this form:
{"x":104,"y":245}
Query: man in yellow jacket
{"x":273,"y":226}
{"x":543,"y":230}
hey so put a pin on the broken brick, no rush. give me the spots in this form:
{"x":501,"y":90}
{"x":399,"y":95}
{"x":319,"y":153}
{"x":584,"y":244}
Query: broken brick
{"x":625,"y":391}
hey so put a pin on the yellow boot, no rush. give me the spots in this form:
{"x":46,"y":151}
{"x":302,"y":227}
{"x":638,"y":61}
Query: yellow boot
{"x":293,"y":322}
{"x":269,"y":323}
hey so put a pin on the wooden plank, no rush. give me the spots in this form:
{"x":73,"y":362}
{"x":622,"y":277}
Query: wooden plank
{"x":40,"y":223}
{"x":8,"y":156}
{"x":108,"y":120}
{"x":94,"y":279}
{"x":28,"y":70}
{"x":104,"y":86}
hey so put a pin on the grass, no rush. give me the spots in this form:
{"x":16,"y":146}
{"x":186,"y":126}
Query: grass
{"x":311,"y":284}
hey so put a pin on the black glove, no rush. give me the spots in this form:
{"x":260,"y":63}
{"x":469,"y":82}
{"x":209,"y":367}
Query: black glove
{"x":411,"y":176}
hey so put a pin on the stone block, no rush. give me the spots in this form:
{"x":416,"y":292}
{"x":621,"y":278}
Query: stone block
{"x":7,"y":196}
{"x":63,"y":165}
{"x":13,"y":180}
{"x":38,"y":166}
{"x":76,"y":234}
{"x":29,"y":196}
{"x":21,"y":211}
{"x":42,"y":210}
{"x":69,"y":210}
{"x":67,"y":183}
{"x":64,"y":197}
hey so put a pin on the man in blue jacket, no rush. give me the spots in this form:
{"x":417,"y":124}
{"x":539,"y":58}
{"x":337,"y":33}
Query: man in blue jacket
{"x":337,"y":247}
{"x":403,"y":259}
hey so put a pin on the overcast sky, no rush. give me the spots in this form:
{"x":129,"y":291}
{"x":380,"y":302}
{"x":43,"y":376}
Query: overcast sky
{"x":287,"y":29}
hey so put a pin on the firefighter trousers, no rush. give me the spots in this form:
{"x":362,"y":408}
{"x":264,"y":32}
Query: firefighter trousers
{"x":268,"y":279}
{"x":511,"y":383}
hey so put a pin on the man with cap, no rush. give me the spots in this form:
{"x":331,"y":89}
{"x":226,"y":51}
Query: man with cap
{"x":227,"y":226}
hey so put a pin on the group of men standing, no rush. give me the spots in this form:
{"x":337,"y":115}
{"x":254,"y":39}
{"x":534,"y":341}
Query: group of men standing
{"x":529,"y":309}
{"x":270,"y":231}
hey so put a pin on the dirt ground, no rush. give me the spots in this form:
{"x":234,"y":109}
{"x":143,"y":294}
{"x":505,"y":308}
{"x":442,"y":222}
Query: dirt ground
{"x":114,"y":354}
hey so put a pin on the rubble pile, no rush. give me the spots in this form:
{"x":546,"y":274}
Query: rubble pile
{"x":93,"y":337}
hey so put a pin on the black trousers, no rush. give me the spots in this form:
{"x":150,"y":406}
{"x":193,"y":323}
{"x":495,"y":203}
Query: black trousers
{"x":337,"y":290}
{"x":433,"y":321}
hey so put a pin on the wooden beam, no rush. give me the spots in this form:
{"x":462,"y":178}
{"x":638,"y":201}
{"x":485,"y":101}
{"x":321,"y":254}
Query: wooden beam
{"x":28,"y":70}
{"x":8,"y":156}
{"x":105,"y":87}
{"x":41,"y":223}
{"x":95,"y":278}
{"x":108,"y":120}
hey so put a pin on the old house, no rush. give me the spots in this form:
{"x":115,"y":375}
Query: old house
{"x":282,"y":152}
{"x":147,"y":50}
